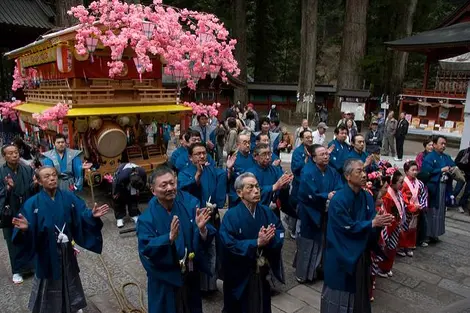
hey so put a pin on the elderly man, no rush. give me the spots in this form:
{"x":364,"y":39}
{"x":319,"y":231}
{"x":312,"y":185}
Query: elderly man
{"x":243,"y":161}
{"x":319,"y":135}
{"x":390,"y":129}
{"x":269,"y":177}
{"x":173,"y":237}
{"x":341,"y":149}
{"x":318,"y":184}
{"x":16,"y":186}
{"x":352,"y":220}
{"x":264,"y":139}
{"x":47,"y":228}
{"x":252,"y":238}
{"x":208,"y":184}
{"x":68,"y":164}
{"x":303,"y":127}
{"x":182,"y":160}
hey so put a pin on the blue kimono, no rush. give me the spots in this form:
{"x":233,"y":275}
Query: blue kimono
{"x":69,"y":167}
{"x":175,"y":155}
{"x":161,"y":259}
{"x":266,"y":177}
{"x":349,"y":227}
{"x":242,"y":164}
{"x":207,"y":133}
{"x":339,"y":155}
{"x":274,"y":139}
{"x":239,"y":234}
{"x":433,"y":162}
{"x":363,"y":157}
{"x":296,"y":165}
{"x":183,"y":160}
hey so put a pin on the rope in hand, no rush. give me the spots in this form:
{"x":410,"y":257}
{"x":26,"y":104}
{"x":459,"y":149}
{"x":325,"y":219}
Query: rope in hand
{"x":124,"y":303}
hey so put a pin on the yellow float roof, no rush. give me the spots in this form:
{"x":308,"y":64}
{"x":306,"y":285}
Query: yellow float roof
{"x":108,"y":110}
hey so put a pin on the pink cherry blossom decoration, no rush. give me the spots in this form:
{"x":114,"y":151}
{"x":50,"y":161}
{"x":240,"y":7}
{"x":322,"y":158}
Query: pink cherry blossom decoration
{"x":7,"y":109}
{"x":52,"y":115}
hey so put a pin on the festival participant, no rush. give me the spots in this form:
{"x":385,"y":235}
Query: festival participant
{"x":318,"y":184}
{"x":47,"y":226}
{"x":68,"y":164}
{"x":264,"y":139}
{"x":415,"y":197}
{"x":393,"y":204}
{"x":208,"y":184}
{"x":190,"y":137}
{"x":16,"y":186}
{"x":129,"y":180}
{"x":243,"y":161}
{"x":206,"y":131}
{"x":341,"y":149}
{"x":173,"y":237}
{"x":438,"y":165}
{"x":299,"y":159}
{"x":357,"y":152}
{"x":269,"y":177}
{"x":352,"y":220}
{"x":181,"y":149}
{"x":252,"y":238}
{"x":274,"y":138}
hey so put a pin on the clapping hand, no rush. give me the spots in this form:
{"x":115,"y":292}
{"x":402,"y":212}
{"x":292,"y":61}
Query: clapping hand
{"x":99,"y":211}
{"x":331,"y":148}
{"x":174,"y":228}
{"x":231,"y":161}
{"x":265,"y":235}
{"x":382,"y":220}
{"x":10,"y":184}
{"x":20,"y":222}
{"x":202,"y":217}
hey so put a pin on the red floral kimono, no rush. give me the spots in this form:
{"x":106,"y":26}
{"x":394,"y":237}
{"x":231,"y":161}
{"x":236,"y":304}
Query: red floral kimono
{"x":414,"y":195}
{"x":393,"y":204}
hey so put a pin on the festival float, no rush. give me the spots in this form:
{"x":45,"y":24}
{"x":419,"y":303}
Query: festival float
{"x":100,"y":82}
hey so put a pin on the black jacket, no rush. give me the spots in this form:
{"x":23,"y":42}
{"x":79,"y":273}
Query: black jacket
{"x":463,"y":164}
{"x":373,"y":141}
{"x":402,"y":128}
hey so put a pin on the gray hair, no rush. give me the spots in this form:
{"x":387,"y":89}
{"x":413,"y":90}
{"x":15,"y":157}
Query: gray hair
{"x":239,"y":184}
{"x":348,"y":165}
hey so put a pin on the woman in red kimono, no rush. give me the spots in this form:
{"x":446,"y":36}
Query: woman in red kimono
{"x":393,"y":204}
{"x":415,"y":198}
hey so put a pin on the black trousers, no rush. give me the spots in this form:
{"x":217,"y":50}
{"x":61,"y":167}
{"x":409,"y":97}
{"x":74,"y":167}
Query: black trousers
{"x":400,"y":142}
{"x":359,"y":126}
{"x":126,"y":200}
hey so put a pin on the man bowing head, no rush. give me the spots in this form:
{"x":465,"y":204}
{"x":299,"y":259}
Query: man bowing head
{"x":173,"y":238}
{"x":252,"y":238}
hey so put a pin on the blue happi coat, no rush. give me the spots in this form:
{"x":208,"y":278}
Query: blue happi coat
{"x":349,"y":227}
{"x":183,"y":160}
{"x":433,"y":163}
{"x":313,"y":194}
{"x":70,"y":167}
{"x":160,"y":258}
{"x":266,"y":177}
{"x":212,"y":184}
{"x":242,"y":164}
{"x":339,"y":154}
{"x":296,"y":165}
{"x":239,"y":236}
{"x":40,"y":240}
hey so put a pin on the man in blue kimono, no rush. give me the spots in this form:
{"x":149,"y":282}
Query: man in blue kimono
{"x":299,"y":159}
{"x":341,"y":149}
{"x":173,"y":237}
{"x":243,"y":161}
{"x":190,"y":137}
{"x":209,"y":185}
{"x":264,"y":138}
{"x":16,"y":186}
{"x":207,"y":132}
{"x":270,"y":177}
{"x":352,"y":221}
{"x":274,"y":138}
{"x":357,"y":152}
{"x":49,"y":224}
{"x":68,"y":164}
{"x":182,"y":147}
{"x":439,"y":166}
{"x":252,"y":238}
{"x":319,"y":183}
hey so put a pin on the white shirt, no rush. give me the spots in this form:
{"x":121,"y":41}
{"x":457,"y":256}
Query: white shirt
{"x":317,"y":138}
{"x":359,"y":114}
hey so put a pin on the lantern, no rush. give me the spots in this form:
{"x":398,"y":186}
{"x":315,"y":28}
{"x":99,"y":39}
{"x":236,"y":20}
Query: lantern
{"x":140,"y":69}
{"x":91,"y":44}
{"x":64,"y":59}
{"x":214,"y":72}
{"x":148,"y":28}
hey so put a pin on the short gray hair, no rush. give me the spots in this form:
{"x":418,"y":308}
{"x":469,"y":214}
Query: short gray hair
{"x":239,"y":184}
{"x":348,"y":165}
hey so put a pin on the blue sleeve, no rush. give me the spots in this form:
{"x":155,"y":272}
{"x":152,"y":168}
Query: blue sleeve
{"x":25,"y":242}
{"x":276,"y":145}
{"x":252,"y":142}
{"x":47,"y":162}
{"x":154,"y":246}
{"x":338,"y":212}
{"x":86,"y":229}
{"x":212,"y":137}
{"x":428,"y":166}
{"x":228,"y":237}
{"x":186,"y":182}
{"x":78,"y":172}
{"x":278,"y":239}
{"x":297,"y":163}
{"x":173,"y":158}
{"x":210,"y":159}
{"x":221,"y":188}
{"x":3,"y":194}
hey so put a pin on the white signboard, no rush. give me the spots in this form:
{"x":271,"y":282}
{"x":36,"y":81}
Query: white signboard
{"x":350,"y":106}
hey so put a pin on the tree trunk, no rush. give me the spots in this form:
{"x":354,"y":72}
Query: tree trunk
{"x":353,"y":48}
{"x":399,"y":58}
{"x":62,"y":18}
{"x":308,"y":55}
{"x":239,"y":33}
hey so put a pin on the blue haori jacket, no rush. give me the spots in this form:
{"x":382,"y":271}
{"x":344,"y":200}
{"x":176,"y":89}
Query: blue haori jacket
{"x":242,"y":164}
{"x":339,"y":154}
{"x":349,"y":227}
{"x":313,"y":194}
{"x":266,"y":177}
